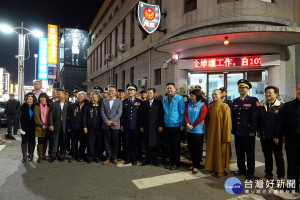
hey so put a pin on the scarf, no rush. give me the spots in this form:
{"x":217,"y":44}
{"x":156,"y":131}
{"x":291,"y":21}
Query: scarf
{"x":44,"y":112}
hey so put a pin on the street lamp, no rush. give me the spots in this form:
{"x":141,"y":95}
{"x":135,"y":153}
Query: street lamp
{"x":35,"y":58}
{"x":22,"y":32}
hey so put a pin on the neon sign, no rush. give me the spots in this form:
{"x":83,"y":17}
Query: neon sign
{"x":245,"y":61}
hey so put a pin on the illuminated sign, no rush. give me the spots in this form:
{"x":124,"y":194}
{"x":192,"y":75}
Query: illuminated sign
{"x":245,"y":61}
{"x":6,"y":83}
{"x":11,"y":90}
{"x":148,"y":16}
{"x":43,"y":57}
{"x":52,"y":44}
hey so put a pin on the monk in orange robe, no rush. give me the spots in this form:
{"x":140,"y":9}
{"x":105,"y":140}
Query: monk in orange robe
{"x":218,"y":128}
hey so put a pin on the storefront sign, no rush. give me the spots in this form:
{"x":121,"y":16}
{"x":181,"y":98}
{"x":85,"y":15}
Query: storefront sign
{"x":52,"y":44}
{"x":43,"y":55}
{"x":6,"y":83}
{"x":148,"y":16}
{"x":245,"y":61}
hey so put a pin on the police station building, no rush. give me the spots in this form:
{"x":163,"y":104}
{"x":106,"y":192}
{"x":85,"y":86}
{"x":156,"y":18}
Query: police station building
{"x":211,"y":43}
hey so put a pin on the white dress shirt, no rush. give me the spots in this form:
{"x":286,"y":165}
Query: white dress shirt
{"x":111,"y":102}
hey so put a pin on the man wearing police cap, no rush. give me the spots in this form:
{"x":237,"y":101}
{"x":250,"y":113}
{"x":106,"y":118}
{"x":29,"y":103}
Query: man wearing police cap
{"x":244,"y":124}
{"x":75,"y":91}
{"x":130,"y":123}
{"x":98,"y":89}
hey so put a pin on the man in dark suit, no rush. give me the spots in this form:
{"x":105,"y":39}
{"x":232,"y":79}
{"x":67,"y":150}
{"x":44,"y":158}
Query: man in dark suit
{"x":130,"y":123}
{"x":152,"y":120}
{"x":244,"y":125}
{"x":11,"y":109}
{"x":92,"y":122}
{"x":57,"y":124}
{"x":289,"y":128}
{"x":75,"y":126}
{"x":111,"y":112}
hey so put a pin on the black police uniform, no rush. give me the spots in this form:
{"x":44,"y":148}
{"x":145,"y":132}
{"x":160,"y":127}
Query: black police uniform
{"x":92,"y":120}
{"x":75,"y":124}
{"x":244,"y":121}
{"x":130,"y":122}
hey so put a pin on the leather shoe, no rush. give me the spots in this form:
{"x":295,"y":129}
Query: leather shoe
{"x":134,"y":163}
{"x":51,"y":160}
{"x":126,"y":162}
{"x":71,"y":160}
{"x":155,"y":163}
{"x":79,"y":160}
{"x":145,"y":163}
{"x":89,"y":161}
{"x":106,"y":162}
{"x":97,"y":161}
{"x":249,"y":176}
{"x":116,"y":161}
{"x":61,"y":159}
{"x":173,"y":167}
{"x":168,"y":166}
{"x":238,"y":173}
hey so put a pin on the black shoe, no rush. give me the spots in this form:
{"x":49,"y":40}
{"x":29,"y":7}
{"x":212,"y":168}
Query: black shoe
{"x":173,"y":167}
{"x":15,"y":133}
{"x":61,"y":159}
{"x":168,"y":166}
{"x":145,"y":163}
{"x":155,"y":163}
{"x":97,"y":161}
{"x":126,"y":162}
{"x":80,"y":160}
{"x":239,"y":173}
{"x":51,"y":160}
{"x":10,"y":137}
{"x":72,"y":160}
{"x":134,"y":163}
{"x":89,"y":161}
{"x":249,"y":176}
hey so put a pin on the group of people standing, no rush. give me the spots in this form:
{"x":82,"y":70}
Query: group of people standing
{"x":115,"y":123}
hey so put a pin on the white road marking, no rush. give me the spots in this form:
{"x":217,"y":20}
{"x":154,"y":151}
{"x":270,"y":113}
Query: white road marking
{"x":2,"y":147}
{"x":166,"y":179}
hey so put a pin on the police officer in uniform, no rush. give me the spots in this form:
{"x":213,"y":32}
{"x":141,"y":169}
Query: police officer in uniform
{"x":99,"y":90}
{"x":244,"y":124}
{"x":130,"y":123}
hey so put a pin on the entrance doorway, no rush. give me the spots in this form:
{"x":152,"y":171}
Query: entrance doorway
{"x":211,"y":81}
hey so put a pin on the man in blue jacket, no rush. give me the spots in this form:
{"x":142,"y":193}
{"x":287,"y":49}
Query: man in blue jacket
{"x":174,"y":106}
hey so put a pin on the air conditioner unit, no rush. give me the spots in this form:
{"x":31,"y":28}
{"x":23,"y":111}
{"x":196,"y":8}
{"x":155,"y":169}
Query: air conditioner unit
{"x":108,"y":57}
{"x":142,"y":82}
{"x":121,"y":47}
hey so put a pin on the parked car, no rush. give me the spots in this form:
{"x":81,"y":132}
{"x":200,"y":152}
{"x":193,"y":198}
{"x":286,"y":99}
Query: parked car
{"x":2,"y":118}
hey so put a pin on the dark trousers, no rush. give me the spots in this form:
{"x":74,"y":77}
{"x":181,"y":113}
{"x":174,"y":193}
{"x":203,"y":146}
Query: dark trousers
{"x":293,"y":162}
{"x":131,"y":144}
{"x":68,"y":141}
{"x":12,"y":120}
{"x":94,"y":144}
{"x":151,"y":154}
{"x":122,"y":144}
{"x":269,"y":147}
{"x":196,"y":144}
{"x":76,"y":136}
{"x":83,"y":145}
{"x":111,"y":143}
{"x":173,"y":143}
{"x":164,"y":146}
{"x":245,"y":145}
{"x":58,"y":141}
{"x":28,"y":138}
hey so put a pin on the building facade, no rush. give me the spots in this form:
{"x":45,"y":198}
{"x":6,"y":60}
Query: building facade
{"x":188,"y":47}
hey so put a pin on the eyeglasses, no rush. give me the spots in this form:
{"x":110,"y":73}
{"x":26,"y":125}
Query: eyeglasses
{"x":111,"y":90}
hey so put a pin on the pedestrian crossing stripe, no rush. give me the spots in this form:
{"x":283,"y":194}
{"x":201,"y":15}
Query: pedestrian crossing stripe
{"x":155,"y":181}
{"x":2,"y":147}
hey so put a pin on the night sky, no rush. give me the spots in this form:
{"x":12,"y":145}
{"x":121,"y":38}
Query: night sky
{"x":37,"y":14}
